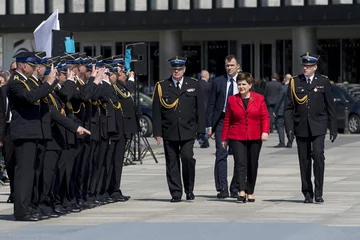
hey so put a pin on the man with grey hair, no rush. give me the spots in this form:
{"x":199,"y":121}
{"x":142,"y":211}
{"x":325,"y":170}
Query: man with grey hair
{"x":279,"y":113}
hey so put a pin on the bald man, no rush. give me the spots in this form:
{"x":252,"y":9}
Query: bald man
{"x":206,"y":88}
{"x":279,"y":113}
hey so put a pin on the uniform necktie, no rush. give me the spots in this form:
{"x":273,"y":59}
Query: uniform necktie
{"x":309,"y":80}
{"x":178,"y":85}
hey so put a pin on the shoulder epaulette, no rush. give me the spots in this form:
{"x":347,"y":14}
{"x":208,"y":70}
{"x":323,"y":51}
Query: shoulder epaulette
{"x":194,"y":79}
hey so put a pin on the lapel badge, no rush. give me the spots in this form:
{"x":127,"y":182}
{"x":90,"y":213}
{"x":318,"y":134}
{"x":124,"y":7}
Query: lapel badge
{"x":302,"y":90}
{"x":185,"y":83}
{"x":315,"y":90}
{"x":170,"y":84}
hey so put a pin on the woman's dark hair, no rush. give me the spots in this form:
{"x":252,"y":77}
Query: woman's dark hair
{"x":245,"y":76}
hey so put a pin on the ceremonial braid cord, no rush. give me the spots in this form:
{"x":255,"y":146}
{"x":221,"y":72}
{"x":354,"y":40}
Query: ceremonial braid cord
{"x":293,"y":94}
{"x":162,"y":101}
{"x":124,"y":95}
{"x":16,"y":77}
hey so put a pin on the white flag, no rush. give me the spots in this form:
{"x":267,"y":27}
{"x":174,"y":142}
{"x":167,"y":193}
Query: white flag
{"x":43,"y":33}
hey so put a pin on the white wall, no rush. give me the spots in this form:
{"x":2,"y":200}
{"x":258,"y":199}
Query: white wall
{"x":203,"y":4}
{"x":138,"y":5}
{"x":2,"y":8}
{"x":159,"y":4}
{"x":56,"y":4}
{"x":118,"y":5}
{"x":97,"y":5}
{"x":17,"y":7}
{"x":77,"y":6}
{"x":37,"y":6}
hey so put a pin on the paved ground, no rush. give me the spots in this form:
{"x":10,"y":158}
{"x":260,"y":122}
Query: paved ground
{"x":278,"y":210}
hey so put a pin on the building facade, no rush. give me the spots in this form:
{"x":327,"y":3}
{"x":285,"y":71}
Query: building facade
{"x":267,"y":35}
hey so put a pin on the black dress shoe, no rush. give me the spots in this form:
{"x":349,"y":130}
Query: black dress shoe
{"x":27,"y":218}
{"x":175,"y":199}
{"x":241,"y":199}
{"x":121,"y":198}
{"x":280,"y":145}
{"x":289,"y":145}
{"x":190,"y":196}
{"x":308,"y":200}
{"x":223,"y":194}
{"x":319,"y":199}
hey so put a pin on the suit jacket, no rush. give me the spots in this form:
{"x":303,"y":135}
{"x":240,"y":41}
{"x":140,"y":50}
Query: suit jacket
{"x":216,"y":101}
{"x":314,"y":114}
{"x":24,"y":104}
{"x":2,"y":115}
{"x":206,"y":88}
{"x":271,"y":93}
{"x":279,"y":106}
{"x":245,"y":124}
{"x":181,"y":121}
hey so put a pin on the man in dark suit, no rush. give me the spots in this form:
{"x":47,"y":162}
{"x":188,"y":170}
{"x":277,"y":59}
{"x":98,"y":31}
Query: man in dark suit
{"x":271,"y":93}
{"x":221,"y":88}
{"x":178,"y":116}
{"x":279,"y":113}
{"x":309,"y":111}
{"x":8,"y":146}
{"x":206,"y":88}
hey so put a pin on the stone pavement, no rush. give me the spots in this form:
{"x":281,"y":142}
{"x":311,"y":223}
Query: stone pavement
{"x":278,"y":210}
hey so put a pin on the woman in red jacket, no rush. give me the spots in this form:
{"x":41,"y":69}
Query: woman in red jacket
{"x":246,"y":125}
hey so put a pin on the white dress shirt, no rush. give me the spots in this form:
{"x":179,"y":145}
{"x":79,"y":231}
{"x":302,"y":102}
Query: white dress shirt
{"x":181,"y":82}
{"x":235,"y":89}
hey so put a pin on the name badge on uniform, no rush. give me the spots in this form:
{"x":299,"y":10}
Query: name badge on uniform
{"x":191,"y":90}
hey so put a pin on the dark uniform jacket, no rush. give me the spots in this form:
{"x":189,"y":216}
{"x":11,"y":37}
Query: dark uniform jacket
{"x":60,"y":124}
{"x":130,"y":118}
{"x":178,"y":114}
{"x":309,"y":108}
{"x":25,"y":108}
{"x":112,"y":126}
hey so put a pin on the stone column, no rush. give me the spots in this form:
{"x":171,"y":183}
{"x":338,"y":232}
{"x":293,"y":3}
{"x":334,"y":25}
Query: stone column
{"x":303,"y":40}
{"x":170,"y":45}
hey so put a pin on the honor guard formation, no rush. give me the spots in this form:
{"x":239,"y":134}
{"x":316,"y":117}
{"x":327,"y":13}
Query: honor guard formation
{"x":71,"y":117}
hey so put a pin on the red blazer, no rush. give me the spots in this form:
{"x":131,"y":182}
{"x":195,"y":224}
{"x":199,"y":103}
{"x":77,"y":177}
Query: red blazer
{"x":249,"y":124}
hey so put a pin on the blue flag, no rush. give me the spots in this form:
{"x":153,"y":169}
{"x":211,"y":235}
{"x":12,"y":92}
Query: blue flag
{"x":69,"y":45}
{"x":127,"y":59}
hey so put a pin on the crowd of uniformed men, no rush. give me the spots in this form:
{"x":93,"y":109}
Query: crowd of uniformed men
{"x":70,"y":117}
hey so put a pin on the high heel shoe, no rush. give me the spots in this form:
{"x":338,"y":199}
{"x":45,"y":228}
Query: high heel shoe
{"x":241,"y":199}
{"x":250,"y":199}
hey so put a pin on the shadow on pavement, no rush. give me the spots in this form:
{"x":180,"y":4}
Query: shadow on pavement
{"x":283,"y":200}
{"x":7,"y":217}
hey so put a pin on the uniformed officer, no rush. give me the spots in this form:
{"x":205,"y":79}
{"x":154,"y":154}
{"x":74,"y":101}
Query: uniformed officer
{"x":178,"y":117}
{"x":309,"y":110}
{"x":26,"y":131}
